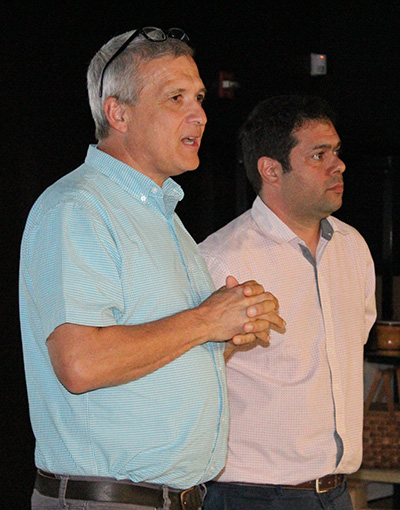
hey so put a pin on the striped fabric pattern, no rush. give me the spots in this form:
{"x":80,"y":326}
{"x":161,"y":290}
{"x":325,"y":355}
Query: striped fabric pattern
{"x":103,"y":246}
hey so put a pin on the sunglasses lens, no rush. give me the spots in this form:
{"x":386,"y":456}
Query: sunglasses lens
{"x":154,"y":34}
{"x":178,"y":33}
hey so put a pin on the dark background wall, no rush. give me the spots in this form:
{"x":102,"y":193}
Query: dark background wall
{"x":46,"y":125}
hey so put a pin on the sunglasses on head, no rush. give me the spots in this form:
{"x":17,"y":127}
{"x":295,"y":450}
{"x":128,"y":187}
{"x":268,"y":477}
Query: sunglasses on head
{"x":152,"y":34}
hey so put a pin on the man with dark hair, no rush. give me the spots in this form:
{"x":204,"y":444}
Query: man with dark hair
{"x":122,"y":333}
{"x":297,"y":404}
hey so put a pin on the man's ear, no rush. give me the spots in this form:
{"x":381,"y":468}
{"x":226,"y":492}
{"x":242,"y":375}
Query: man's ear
{"x":116,"y":114}
{"x":269,"y":169}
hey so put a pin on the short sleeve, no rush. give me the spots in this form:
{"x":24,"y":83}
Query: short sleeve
{"x":74,"y":269}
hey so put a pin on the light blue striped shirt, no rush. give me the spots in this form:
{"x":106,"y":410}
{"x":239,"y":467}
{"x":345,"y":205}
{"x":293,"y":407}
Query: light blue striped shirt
{"x":103,"y":246}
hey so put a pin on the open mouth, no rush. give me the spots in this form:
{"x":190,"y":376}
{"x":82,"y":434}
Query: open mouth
{"x":189,"y":140}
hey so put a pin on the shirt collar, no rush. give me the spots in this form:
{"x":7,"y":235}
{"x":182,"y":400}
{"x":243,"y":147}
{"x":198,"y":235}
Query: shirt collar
{"x":134,"y":182}
{"x":277,"y":230}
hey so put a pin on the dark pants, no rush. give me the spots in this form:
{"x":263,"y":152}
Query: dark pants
{"x":227,"y":496}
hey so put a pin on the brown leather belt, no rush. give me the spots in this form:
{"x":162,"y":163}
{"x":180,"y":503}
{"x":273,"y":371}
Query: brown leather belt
{"x":324,"y":484}
{"x":116,"y":492}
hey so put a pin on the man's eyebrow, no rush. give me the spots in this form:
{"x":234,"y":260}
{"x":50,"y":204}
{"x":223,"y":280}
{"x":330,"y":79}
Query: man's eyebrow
{"x":181,"y":90}
{"x":327,"y":146}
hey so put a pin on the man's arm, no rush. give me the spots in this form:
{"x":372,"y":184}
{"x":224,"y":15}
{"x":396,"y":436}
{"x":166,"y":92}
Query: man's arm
{"x":87,"y":358}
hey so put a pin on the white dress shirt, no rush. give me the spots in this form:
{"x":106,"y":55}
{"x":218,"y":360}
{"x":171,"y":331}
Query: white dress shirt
{"x":297,"y":405}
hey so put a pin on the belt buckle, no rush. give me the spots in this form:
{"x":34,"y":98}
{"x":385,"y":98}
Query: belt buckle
{"x":318,"y":490}
{"x":191,"y":499}
{"x":183,"y":496}
{"x":329,"y":486}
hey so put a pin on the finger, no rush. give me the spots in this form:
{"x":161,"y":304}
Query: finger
{"x":264,"y":338}
{"x":247,"y":338}
{"x":252,"y":288}
{"x":280,"y":328}
{"x":257,"y":326}
{"x":265,"y":323}
{"x":268,"y":305}
{"x":270,"y":296}
{"x":277,"y":323}
{"x":231,"y":282}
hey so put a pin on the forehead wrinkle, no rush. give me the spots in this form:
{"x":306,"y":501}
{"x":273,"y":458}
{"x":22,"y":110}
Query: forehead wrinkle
{"x":150,"y":73}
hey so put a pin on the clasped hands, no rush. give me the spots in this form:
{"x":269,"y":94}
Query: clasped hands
{"x":243,"y":313}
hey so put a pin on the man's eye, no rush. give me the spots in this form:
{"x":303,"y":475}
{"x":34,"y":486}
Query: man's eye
{"x":318,"y":155}
{"x":176,"y":98}
{"x":200,"y":98}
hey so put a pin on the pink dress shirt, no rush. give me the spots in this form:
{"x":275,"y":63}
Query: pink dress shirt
{"x":297,"y":406}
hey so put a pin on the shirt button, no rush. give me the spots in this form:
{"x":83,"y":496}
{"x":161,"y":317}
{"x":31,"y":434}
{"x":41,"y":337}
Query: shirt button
{"x":143,"y":198}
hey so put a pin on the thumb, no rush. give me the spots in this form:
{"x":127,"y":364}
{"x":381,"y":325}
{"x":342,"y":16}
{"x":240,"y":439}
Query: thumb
{"x":231,"y":282}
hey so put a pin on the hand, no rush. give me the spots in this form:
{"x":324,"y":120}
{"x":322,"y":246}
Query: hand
{"x":241,"y":312}
{"x":265,"y":315}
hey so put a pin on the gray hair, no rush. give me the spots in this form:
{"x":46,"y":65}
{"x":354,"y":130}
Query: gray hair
{"x":122,"y":79}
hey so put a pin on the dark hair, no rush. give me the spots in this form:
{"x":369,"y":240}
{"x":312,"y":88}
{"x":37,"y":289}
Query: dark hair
{"x":270,"y":130}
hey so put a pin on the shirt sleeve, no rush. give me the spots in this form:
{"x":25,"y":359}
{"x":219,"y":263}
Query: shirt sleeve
{"x":74,"y":267}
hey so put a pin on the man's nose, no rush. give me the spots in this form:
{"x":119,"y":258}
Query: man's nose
{"x":198,"y":115}
{"x":338,"y":165}
{"x":342,"y":166}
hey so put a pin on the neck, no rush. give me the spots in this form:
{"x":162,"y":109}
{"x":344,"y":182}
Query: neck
{"x":113,"y":147}
{"x":307,"y":229}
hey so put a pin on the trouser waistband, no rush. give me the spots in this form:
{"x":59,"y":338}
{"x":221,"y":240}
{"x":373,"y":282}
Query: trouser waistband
{"x":119,"y":491}
{"x":324,"y":484}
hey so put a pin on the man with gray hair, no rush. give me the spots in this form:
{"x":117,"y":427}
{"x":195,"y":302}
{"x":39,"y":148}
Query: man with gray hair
{"x":123,"y":334}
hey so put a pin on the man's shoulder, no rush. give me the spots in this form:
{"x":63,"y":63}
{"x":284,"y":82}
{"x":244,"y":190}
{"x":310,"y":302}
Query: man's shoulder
{"x":82,"y":181}
{"x":229,"y":235}
{"x":351,"y":239}
{"x":72,"y":189}
{"x":344,"y":228}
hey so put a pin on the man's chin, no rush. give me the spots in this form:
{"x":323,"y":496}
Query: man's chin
{"x":335,"y":207}
{"x":193,"y":165}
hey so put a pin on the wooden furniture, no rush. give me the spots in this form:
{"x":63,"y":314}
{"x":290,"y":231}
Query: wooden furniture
{"x":359,"y":480}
